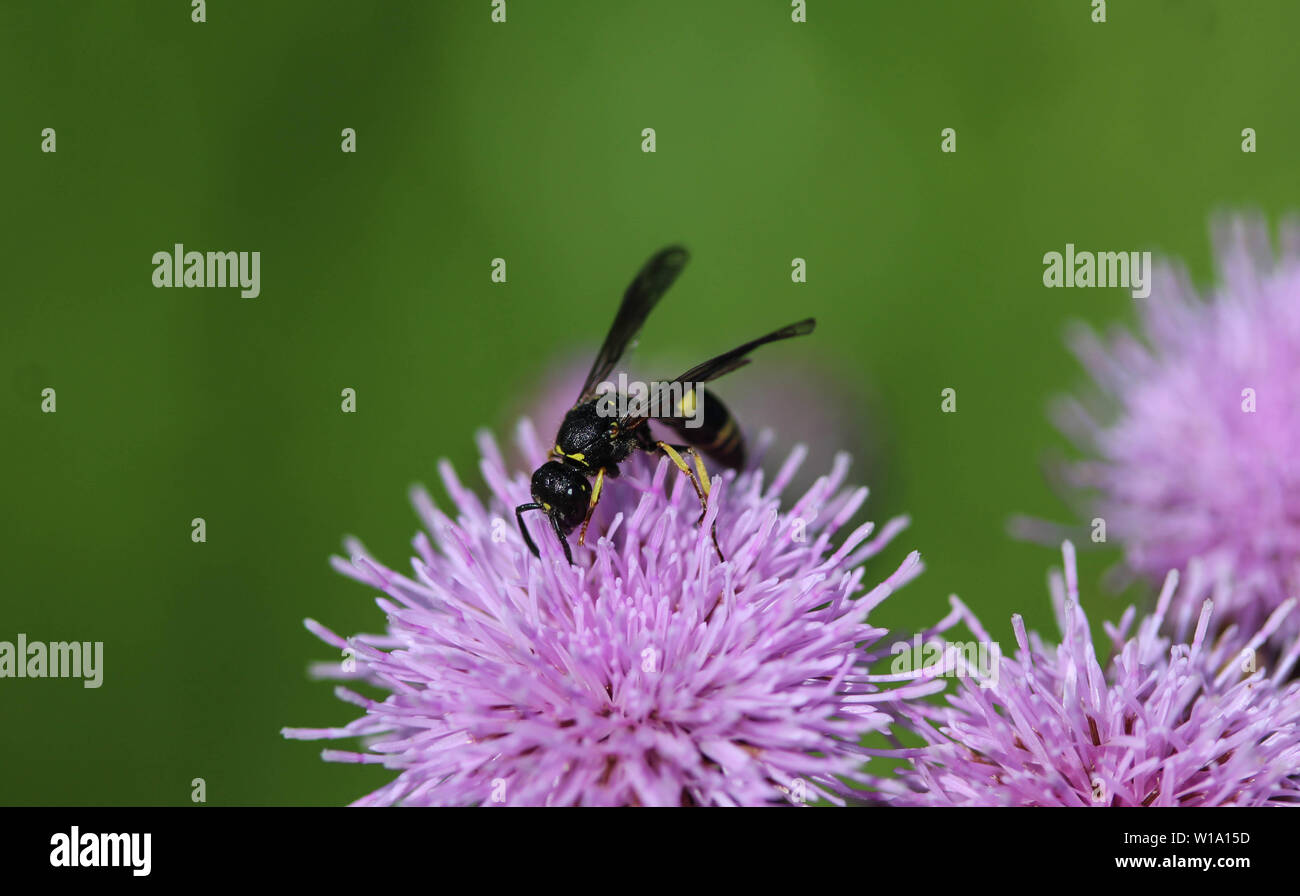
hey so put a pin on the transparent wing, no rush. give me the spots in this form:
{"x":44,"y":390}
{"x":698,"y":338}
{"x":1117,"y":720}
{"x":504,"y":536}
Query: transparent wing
{"x":639,"y":300}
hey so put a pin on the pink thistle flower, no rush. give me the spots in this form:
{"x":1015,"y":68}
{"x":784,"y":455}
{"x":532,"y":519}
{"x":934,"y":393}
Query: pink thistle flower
{"x":647,"y":674}
{"x":1196,"y":453}
{"x":1192,"y":723}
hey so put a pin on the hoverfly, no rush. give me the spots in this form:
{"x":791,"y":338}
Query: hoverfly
{"x":592,"y":442}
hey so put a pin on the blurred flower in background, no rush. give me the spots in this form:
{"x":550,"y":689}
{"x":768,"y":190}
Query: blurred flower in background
{"x":648,"y":674}
{"x":1165,"y":722}
{"x":1193,"y":435}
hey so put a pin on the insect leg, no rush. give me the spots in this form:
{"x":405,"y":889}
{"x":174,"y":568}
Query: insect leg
{"x":595,"y":496}
{"x":559,"y":533}
{"x":523,"y":530}
{"x":700,"y":472}
{"x":701,"y":491}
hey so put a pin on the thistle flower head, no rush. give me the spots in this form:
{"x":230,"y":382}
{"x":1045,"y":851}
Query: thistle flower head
{"x":1159,"y":724}
{"x":647,"y":674}
{"x":1195,"y":451}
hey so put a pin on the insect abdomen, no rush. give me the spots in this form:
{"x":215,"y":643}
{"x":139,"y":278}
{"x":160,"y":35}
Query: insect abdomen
{"x":714,"y":431}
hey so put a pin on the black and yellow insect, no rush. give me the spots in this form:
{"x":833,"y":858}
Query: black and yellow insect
{"x":592,"y":442}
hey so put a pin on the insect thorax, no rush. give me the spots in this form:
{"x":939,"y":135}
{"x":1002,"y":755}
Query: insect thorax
{"x":591,"y":439}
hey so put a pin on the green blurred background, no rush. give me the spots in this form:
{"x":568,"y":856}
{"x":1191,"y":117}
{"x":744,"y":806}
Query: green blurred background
{"x":522,"y":140}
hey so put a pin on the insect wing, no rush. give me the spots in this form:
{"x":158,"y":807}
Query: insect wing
{"x":712,"y":369}
{"x":639,"y":300}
